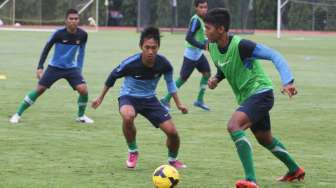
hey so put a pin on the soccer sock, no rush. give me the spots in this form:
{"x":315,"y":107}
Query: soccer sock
{"x":82,"y":102}
{"x":179,"y":82}
{"x":132,"y":146}
{"x":282,"y":154}
{"x":244,"y":150}
{"x":203,"y":85}
{"x":29,"y":100}
{"x":172,"y":155}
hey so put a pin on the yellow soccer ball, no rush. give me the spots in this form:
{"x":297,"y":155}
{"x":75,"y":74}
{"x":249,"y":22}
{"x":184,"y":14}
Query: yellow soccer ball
{"x":165,"y":176}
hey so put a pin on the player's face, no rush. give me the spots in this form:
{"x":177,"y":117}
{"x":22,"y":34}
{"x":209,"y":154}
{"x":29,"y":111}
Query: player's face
{"x":149,"y":49}
{"x":72,"y":21}
{"x":214,"y":33}
{"x":202,"y":9}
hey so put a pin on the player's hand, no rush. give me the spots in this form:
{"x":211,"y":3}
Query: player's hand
{"x":289,"y":89}
{"x":183,"y":109}
{"x":212,"y":82}
{"x":96,"y":103}
{"x":39,"y":73}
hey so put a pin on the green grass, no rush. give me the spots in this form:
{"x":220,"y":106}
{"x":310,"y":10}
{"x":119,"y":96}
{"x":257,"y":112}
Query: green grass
{"x":48,"y":149}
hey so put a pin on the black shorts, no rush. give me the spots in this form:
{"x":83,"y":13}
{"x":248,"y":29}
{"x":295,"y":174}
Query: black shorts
{"x":257,"y":108}
{"x":52,"y":74}
{"x":150,"y":108}
{"x":188,"y":66}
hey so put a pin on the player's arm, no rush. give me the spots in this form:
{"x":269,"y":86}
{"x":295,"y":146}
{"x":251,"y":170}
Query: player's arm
{"x":81,"y":53}
{"x":250,"y":50}
{"x":44,"y":55}
{"x":194,"y":26}
{"x":213,"y":81}
{"x":172,"y":89}
{"x":110,"y":81}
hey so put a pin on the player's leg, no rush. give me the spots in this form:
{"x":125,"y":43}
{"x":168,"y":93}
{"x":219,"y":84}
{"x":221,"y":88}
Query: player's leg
{"x":77,"y":82}
{"x":251,"y":111}
{"x":173,"y":143}
{"x":204,"y":68}
{"x":237,"y":125}
{"x":128,"y":113}
{"x":160,"y":118}
{"x":262,"y":132}
{"x":187,"y":68}
{"x":50,"y":76}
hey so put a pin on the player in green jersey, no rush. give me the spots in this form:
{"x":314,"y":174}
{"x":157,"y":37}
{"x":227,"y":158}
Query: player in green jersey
{"x":195,"y":43}
{"x":236,"y":60}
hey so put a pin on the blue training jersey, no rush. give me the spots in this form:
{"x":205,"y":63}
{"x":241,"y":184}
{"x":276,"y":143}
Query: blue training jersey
{"x":140,"y":80}
{"x":194,"y":53}
{"x":69,"y":49}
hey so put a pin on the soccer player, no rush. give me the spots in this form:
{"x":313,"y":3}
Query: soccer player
{"x":66,"y":63}
{"x":142,"y":73}
{"x":193,"y":56}
{"x":236,"y":60}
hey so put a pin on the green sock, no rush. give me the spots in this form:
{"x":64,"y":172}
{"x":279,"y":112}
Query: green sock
{"x":203,"y":85}
{"x":244,"y":150}
{"x":172,"y":155}
{"x":179,"y":82}
{"x":82,"y":102}
{"x":132,"y":146}
{"x":282,"y":154}
{"x":29,"y":100}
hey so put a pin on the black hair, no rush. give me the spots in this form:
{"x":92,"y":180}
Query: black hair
{"x":218,"y":17}
{"x":70,"y":11}
{"x":150,"y":33}
{"x":196,"y":2}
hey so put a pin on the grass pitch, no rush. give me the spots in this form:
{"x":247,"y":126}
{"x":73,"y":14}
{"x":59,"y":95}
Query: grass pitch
{"x":49,"y":149}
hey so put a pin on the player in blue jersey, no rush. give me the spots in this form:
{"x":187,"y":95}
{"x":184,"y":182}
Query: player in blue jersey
{"x":195,"y":43}
{"x":67,"y":63}
{"x":142,"y":73}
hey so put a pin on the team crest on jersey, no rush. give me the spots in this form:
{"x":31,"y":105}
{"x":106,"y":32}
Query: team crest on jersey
{"x":77,"y":41}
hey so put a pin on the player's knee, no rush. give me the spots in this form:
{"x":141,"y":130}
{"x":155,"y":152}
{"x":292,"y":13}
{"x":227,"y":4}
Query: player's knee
{"x":206,"y":74}
{"x":82,"y":90}
{"x":40,"y":89}
{"x":128,"y":118}
{"x":232,"y":128}
{"x":173,"y":135}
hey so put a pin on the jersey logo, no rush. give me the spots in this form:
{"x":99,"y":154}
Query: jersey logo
{"x":65,"y":41}
{"x":77,"y":41}
{"x":222,"y":64}
{"x":137,"y":76}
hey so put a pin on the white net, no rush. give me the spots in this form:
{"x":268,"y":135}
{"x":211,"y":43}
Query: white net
{"x":46,"y":14}
{"x":313,"y":15}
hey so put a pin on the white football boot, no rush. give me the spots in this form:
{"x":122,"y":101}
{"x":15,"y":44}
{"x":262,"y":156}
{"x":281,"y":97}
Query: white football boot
{"x":15,"y":118}
{"x":84,"y":119}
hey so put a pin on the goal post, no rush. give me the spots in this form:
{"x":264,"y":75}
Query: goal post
{"x":306,"y":15}
{"x":47,"y":15}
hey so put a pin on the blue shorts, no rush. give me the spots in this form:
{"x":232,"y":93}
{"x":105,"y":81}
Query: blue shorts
{"x":188,"y":66}
{"x":52,"y":74}
{"x":150,"y":108}
{"x":257,"y":108}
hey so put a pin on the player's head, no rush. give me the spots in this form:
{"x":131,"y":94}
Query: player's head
{"x":201,"y":7}
{"x":71,"y":19}
{"x":150,"y":43}
{"x":217,"y":23}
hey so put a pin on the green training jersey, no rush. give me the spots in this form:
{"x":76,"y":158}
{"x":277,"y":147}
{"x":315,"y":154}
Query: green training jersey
{"x":200,"y":34}
{"x":245,"y":81}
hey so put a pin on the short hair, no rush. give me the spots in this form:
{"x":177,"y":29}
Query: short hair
{"x":218,"y":17}
{"x":196,"y":2}
{"x":150,"y":33}
{"x":70,"y":11}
